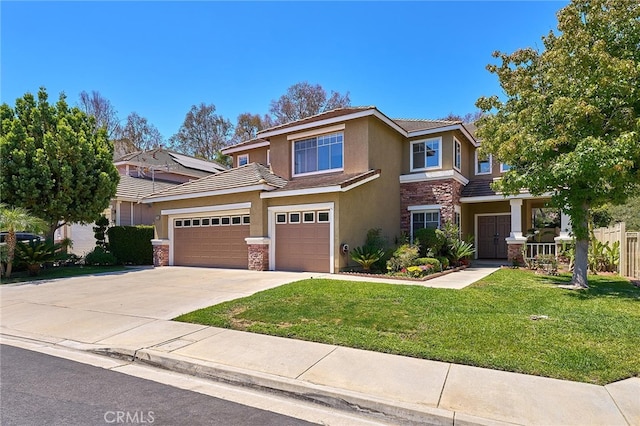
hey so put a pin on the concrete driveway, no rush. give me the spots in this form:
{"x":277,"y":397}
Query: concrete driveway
{"x":90,"y":309}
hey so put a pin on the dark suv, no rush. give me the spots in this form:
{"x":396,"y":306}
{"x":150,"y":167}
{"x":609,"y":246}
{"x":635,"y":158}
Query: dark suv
{"x":22,"y":236}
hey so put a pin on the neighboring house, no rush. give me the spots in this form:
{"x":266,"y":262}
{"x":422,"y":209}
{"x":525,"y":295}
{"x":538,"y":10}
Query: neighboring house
{"x":302,"y":194}
{"x":142,"y":173}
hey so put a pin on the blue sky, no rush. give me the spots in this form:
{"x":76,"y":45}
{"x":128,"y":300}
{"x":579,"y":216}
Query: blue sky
{"x":410,"y":59}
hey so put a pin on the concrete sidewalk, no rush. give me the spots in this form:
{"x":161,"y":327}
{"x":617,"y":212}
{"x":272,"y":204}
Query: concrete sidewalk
{"x":390,"y":388}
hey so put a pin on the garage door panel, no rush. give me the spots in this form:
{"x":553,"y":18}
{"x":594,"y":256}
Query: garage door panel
{"x":303,"y":247}
{"x":216,"y":246}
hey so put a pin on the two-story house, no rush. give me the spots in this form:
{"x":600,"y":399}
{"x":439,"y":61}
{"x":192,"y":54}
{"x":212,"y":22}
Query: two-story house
{"x":303,"y":193}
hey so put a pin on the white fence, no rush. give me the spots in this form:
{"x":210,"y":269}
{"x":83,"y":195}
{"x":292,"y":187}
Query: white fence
{"x":629,"y":247}
{"x":538,"y":249}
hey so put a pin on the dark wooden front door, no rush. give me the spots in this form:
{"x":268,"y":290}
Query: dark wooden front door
{"x":492,"y":231}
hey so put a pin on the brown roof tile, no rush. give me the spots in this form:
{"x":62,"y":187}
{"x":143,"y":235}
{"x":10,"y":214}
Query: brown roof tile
{"x":414,"y":125}
{"x":478,"y":188}
{"x":320,"y":181}
{"x":338,"y":112}
{"x":239,"y":177}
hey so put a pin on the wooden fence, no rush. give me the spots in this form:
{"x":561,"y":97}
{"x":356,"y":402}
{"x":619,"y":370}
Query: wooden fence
{"x":629,"y":247}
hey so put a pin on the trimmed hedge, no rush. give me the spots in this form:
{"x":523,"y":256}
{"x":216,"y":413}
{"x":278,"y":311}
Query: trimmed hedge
{"x":131,"y":244}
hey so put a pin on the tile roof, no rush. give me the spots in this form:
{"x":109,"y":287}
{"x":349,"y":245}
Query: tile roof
{"x":338,"y":112}
{"x":478,"y":188}
{"x":245,"y":176}
{"x":319,"y":181}
{"x":245,"y":143}
{"x":169,"y":161}
{"x":137,"y":188}
{"x":414,"y":125}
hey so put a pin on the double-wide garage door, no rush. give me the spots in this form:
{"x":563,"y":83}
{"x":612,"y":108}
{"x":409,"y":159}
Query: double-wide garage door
{"x":211,"y":241}
{"x":303,"y":241}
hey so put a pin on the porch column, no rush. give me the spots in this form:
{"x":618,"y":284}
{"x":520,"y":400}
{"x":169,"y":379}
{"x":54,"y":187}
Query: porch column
{"x":565,"y":229}
{"x":515,"y":240}
{"x":160,"y":252}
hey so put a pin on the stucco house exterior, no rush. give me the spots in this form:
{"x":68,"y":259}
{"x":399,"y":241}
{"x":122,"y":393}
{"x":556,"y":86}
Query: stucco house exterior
{"x":302,"y":194}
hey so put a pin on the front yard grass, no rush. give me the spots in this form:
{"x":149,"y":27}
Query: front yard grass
{"x":589,"y":336}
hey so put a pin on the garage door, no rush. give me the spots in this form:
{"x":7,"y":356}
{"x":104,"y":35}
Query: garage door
{"x":303,"y":241}
{"x":211,"y":241}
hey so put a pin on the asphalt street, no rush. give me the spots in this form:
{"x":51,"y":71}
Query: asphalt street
{"x":39,"y":389}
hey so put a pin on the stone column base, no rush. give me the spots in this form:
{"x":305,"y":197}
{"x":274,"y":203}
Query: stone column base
{"x":514,"y":249}
{"x":160,"y":252}
{"x":258,"y":253}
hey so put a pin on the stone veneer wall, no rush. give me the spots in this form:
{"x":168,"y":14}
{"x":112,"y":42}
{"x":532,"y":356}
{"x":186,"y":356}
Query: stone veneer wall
{"x":445,"y":192}
{"x":160,"y":255}
{"x":514,"y":253}
{"x":258,"y":257}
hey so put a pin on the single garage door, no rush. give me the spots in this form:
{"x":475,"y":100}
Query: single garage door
{"x":302,"y":241}
{"x":211,"y":241}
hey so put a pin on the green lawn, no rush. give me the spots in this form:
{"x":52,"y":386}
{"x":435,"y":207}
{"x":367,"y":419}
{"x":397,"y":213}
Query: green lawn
{"x":59,"y":272}
{"x":590,"y":336}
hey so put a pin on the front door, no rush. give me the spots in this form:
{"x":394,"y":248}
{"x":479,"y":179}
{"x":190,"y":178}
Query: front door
{"x":492,"y":231}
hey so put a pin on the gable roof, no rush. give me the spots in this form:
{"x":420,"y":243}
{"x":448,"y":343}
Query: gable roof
{"x":250,"y":177}
{"x":172,"y":162}
{"x":415,"y":125}
{"x":133,"y":189}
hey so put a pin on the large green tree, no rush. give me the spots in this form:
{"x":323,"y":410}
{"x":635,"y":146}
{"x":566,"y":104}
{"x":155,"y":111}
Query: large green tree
{"x":569,"y":120}
{"x":53,"y":162}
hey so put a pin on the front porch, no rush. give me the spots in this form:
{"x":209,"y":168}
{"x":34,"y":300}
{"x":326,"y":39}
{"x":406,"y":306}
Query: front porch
{"x":516,"y":229}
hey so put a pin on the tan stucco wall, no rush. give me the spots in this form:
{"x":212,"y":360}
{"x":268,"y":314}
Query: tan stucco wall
{"x":257,"y":226}
{"x":469,"y":211}
{"x":256,"y":155}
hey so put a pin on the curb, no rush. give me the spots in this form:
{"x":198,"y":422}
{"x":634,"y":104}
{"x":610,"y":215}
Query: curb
{"x":377,"y":408}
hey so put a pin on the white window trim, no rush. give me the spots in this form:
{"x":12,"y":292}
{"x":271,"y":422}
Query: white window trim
{"x":268,"y":156}
{"x":456,"y":144}
{"x":309,"y":221}
{"x":243,"y":156}
{"x":317,"y":172}
{"x":502,"y":169}
{"x":435,"y":210}
{"x":439,"y":166}
{"x":490,"y":165}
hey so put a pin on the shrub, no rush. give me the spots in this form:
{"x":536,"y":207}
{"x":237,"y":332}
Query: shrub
{"x":99,"y":256}
{"x":444,"y":261}
{"x":100,"y":230}
{"x":375,"y":241}
{"x":431,"y":241}
{"x":366,"y":256}
{"x":420,"y":271}
{"x":435,"y":263}
{"x":34,"y":254}
{"x":460,"y":250}
{"x":403,"y":257}
{"x":131,"y":244}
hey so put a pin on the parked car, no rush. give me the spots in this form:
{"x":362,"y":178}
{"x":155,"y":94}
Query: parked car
{"x":22,"y":237}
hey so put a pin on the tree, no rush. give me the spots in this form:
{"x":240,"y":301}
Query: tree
{"x":570,"y":125}
{"x":248,"y":126}
{"x":100,"y":108}
{"x":14,"y":219}
{"x":138,"y":134}
{"x":304,"y":100}
{"x":53,"y":162}
{"x":203,"y":132}
{"x":468,"y":118}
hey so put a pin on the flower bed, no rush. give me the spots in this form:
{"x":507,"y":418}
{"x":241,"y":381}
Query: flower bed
{"x":404,"y":276}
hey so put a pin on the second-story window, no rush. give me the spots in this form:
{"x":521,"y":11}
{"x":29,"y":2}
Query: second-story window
{"x":243,"y":159}
{"x":426,"y":154}
{"x":457,"y":154}
{"x":504,"y":167}
{"x":317,"y":154}
{"x":483,"y":164}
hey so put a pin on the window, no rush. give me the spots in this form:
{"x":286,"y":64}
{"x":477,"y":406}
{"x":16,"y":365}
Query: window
{"x":483,"y":164}
{"x":294,"y":217}
{"x":196,"y":222}
{"x":243,"y":159}
{"x":309,"y":217}
{"x":426,"y":154}
{"x":178,"y":223}
{"x":206,"y":221}
{"x":281,"y":218}
{"x":215,"y":221}
{"x":268,"y":157}
{"x":323,"y":216}
{"x":429,"y":219}
{"x":504,"y":167}
{"x":457,"y":154}
{"x":317,"y":154}
{"x":246,"y":220}
{"x":226,"y":220}
{"x":186,"y":222}
{"x":236,"y":220}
